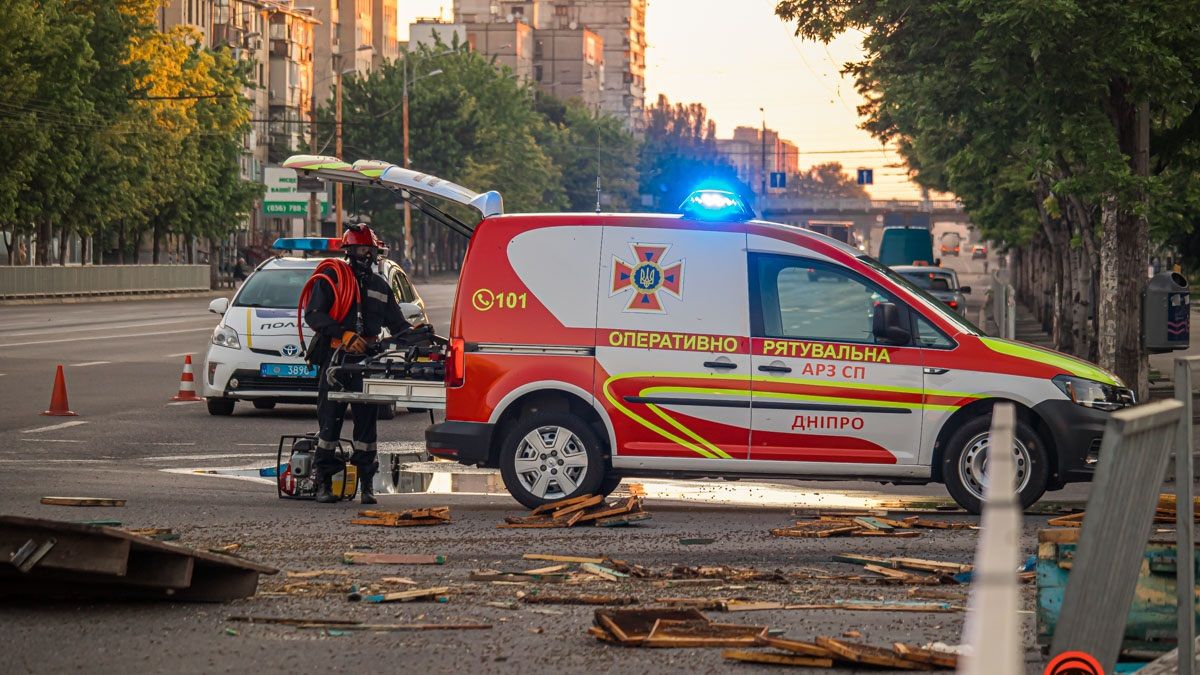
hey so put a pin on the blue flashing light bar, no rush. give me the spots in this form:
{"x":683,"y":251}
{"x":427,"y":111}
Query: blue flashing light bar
{"x":717,"y":205}
{"x":322,"y":244}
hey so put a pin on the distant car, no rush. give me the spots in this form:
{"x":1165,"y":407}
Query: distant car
{"x":950,"y":243}
{"x":906,"y":246}
{"x":940,"y":282}
{"x":256,"y":354}
{"x":978,"y":251}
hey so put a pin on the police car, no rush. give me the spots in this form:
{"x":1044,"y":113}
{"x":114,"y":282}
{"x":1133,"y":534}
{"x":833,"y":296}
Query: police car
{"x":255,"y":354}
{"x":587,"y":347}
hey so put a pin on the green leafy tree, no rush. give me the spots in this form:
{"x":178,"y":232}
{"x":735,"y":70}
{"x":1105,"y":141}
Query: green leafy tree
{"x":679,"y":154}
{"x":1036,"y":116}
{"x":586,"y":145}
{"x":826,"y":181}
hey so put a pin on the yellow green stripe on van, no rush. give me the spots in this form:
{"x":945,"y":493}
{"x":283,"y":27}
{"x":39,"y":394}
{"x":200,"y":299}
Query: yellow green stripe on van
{"x":1076,"y":367}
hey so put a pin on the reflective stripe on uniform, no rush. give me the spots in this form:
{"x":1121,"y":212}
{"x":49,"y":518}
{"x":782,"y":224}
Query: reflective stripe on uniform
{"x":377,"y":295}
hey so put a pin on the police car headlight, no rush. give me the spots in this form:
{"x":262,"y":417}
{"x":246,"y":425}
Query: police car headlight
{"x":224,"y":336}
{"x":1093,"y":394}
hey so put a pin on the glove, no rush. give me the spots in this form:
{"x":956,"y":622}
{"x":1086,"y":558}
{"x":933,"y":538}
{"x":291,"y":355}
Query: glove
{"x":353,"y":343}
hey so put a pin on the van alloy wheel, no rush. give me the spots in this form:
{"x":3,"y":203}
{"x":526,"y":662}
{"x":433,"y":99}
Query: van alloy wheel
{"x":972,"y":464}
{"x":551,"y":462}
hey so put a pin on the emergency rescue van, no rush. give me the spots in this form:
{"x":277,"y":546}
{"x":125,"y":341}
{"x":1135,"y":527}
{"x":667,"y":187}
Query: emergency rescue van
{"x":585,"y":348}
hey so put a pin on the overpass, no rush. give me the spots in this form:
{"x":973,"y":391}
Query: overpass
{"x":866,"y":214}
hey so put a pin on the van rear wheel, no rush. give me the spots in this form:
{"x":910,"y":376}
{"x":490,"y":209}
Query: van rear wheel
{"x":964,"y":464}
{"x":549,"y":456}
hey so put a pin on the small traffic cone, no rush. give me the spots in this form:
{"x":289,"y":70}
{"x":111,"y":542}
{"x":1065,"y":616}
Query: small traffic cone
{"x":58,"y":398}
{"x":187,"y":383}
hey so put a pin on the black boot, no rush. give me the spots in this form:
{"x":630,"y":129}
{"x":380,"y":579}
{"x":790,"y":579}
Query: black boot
{"x":325,"y":489}
{"x":366,"y":485}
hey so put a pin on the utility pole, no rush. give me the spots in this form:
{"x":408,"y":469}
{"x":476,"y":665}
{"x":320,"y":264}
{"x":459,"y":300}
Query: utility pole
{"x":338,"y":143}
{"x":408,"y":233}
{"x":763,"y":168}
{"x":597,"y":156}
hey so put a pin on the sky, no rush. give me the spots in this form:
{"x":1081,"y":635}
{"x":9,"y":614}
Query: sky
{"x":736,"y":61}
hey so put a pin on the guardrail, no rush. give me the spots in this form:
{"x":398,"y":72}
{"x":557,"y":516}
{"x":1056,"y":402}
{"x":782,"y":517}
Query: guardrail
{"x":54,"y":281}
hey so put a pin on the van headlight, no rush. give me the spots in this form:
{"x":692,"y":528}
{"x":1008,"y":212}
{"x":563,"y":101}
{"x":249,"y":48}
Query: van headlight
{"x":224,"y":336}
{"x":1093,"y":394}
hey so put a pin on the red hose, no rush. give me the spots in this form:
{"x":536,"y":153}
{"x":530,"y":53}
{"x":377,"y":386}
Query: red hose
{"x":345,"y":291}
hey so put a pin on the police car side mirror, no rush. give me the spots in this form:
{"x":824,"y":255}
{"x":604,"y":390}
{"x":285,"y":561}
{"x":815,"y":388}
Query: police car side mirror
{"x":885,"y":325}
{"x":219,"y":305}
{"x":412,"y":313}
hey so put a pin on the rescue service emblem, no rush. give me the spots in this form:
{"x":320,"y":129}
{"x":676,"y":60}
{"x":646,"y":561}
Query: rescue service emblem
{"x":646,"y":277}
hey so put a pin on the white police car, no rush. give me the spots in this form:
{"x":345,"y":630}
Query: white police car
{"x":255,"y":354}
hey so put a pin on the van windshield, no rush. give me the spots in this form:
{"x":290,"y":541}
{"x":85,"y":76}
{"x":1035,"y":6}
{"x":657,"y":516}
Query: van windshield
{"x":928,"y":302}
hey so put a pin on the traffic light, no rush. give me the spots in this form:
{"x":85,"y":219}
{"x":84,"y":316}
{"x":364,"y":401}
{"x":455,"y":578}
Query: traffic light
{"x":866,"y":176}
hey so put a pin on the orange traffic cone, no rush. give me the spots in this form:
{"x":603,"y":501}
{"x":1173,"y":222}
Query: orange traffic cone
{"x":187,"y":383}
{"x":58,"y":398}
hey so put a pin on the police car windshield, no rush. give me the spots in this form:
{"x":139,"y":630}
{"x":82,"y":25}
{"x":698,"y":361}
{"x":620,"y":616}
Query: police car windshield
{"x":930,"y":303}
{"x":278,"y":289}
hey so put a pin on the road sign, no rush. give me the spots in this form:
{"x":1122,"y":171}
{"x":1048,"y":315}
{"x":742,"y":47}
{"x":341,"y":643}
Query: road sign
{"x":866,"y":176}
{"x":284,"y":199}
{"x":778,"y":179}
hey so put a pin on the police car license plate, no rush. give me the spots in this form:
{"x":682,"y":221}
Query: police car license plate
{"x":287,"y":370}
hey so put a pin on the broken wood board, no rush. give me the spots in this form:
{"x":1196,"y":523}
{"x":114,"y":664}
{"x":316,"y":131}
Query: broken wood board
{"x":621,"y":520}
{"x":796,"y":646}
{"x":310,"y":574}
{"x":873,"y":524}
{"x":602,"y":600}
{"x":902,"y":534}
{"x":632,"y":626}
{"x":816,"y":529}
{"x":85,"y":561}
{"x":603,"y":572}
{"x":775,"y":658}
{"x":562,"y":558}
{"x":672,"y":633}
{"x":627,"y":505}
{"x":388,"y":627}
{"x":438,"y":515}
{"x":939,"y":524}
{"x":82,"y":501}
{"x":868,"y":655}
{"x":562,"y":503}
{"x":921,"y":655}
{"x":577,"y":506}
{"x":404,"y":596}
{"x":356,"y":558}
{"x":290,"y":621}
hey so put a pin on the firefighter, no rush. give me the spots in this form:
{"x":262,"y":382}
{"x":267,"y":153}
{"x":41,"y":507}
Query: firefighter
{"x":356,"y":327}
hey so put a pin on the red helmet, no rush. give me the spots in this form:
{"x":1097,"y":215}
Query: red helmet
{"x":360,"y":235}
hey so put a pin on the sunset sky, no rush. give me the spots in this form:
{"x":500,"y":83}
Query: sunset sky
{"x":735,"y":61}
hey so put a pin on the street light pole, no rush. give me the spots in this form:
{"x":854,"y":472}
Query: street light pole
{"x":338,"y":142}
{"x":408,"y":233}
{"x":763,"y":167}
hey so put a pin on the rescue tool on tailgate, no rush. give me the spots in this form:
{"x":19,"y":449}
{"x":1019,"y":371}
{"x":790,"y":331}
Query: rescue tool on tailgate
{"x":587,"y":347}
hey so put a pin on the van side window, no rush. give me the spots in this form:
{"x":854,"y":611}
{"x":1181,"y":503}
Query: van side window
{"x":928,"y":336}
{"x":806,"y":299}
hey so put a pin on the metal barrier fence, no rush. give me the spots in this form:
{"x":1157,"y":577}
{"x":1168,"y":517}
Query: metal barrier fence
{"x":1120,"y":513}
{"x":54,"y":281}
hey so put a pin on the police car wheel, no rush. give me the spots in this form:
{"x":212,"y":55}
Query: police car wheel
{"x":219,"y":406}
{"x":549,"y":456}
{"x":964,"y":464}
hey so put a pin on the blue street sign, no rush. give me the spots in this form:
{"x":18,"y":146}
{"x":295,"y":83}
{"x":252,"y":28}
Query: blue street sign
{"x":778,"y":179}
{"x":866,"y":176}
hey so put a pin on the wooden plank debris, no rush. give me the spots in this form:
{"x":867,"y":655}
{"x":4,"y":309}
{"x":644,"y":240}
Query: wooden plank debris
{"x":868,"y":655}
{"x":605,"y":573}
{"x":357,"y":558}
{"x":562,"y":503}
{"x":562,"y":558}
{"x":436,"y":593}
{"x":796,"y":646}
{"x":577,"y":506}
{"x":702,"y":633}
{"x":606,"y":600}
{"x":632,"y":626}
{"x":625,"y":519}
{"x":82,"y":501}
{"x":775,"y":658}
{"x":922,"y":655}
{"x":585,"y":509}
{"x":439,"y":515}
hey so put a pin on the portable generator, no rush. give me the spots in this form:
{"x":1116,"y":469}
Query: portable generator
{"x":297,"y":477}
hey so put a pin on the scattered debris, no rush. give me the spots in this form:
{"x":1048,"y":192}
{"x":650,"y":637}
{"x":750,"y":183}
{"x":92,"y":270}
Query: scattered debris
{"x":631,"y":626}
{"x":586,"y":509}
{"x":608,"y":600}
{"x":868,"y":655}
{"x":775,"y":658}
{"x":925,"y":655}
{"x":231,"y":631}
{"x":310,"y":574}
{"x":796,"y":647}
{"x":354,"y":558}
{"x":70,"y":560}
{"x":853,"y":634}
{"x":562,"y":558}
{"x":437,"y":594}
{"x":82,"y":501}
{"x":603,"y":572}
{"x":439,"y":515}
{"x":102,"y":522}
{"x":156,"y":533}
{"x":671,"y":628}
{"x":228,"y":549}
{"x":345,"y":624}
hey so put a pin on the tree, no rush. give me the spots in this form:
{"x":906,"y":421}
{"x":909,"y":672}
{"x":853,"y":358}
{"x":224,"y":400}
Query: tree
{"x":1060,"y":126}
{"x":679,"y":154}
{"x":586,"y":145}
{"x":826,"y":181}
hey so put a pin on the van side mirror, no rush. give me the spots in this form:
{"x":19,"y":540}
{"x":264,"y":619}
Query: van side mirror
{"x":412,"y":313}
{"x":965,"y":290}
{"x":218,"y":305}
{"x":885,"y":325}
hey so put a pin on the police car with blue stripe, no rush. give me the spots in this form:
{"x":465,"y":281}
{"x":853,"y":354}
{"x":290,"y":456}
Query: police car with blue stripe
{"x":256,"y":353}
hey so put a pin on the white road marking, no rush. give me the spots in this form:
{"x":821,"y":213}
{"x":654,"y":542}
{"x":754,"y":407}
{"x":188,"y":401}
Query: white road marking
{"x":89,"y":363}
{"x":164,"y":443}
{"x":239,"y":455}
{"x":54,"y":427}
{"x":55,"y":331}
{"x":108,"y":337}
{"x":256,"y":445}
{"x":49,"y":440}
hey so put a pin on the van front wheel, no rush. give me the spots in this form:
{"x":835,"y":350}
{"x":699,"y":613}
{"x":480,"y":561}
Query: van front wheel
{"x":549,"y":456}
{"x":964,"y":464}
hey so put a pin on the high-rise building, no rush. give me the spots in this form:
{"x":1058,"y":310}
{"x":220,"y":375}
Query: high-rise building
{"x":569,"y":64}
{"x":385,"y":38}
{"x":619,"y":24}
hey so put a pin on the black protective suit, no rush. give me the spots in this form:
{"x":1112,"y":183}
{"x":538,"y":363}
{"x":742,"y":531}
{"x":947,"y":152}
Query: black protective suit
{"x":379,"y":310}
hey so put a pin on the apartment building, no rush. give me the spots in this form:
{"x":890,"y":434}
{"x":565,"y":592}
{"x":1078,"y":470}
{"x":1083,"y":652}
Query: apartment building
{"x":747,"y":153}
{"x":620,"y":26}
{"x":385,"y":37}
{"x":569,"y":64}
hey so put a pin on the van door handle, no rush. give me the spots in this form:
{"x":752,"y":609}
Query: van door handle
{"x":936,"y":371}
{"x":775,"y":369}
{"x":720,"y":364}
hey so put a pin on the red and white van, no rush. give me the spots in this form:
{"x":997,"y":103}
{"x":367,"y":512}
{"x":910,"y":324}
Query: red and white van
{"x":589,"y":347}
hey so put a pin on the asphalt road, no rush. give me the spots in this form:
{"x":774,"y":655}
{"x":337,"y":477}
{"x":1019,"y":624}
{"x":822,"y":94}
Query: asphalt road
{"x":122,"y":362}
